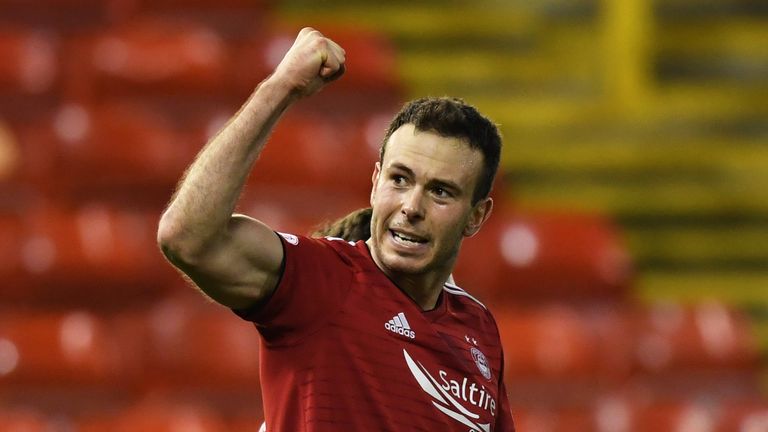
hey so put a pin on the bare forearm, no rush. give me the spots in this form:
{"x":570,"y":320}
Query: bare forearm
{"x":236,"y":260}
{"x":206,"y":197}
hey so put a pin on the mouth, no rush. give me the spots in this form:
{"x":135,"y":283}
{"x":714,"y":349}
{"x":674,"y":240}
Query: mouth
{"x":407,"y":239}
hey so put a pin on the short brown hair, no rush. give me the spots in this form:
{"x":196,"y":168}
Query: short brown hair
{"x":452,"y":117}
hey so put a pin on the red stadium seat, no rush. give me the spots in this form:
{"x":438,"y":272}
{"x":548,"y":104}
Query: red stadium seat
{"x":61,"y":16}
{"x":71,"y":257}
{"x":553,"y":419}
{"x":237,"y":5}
{"x":231,"y":18}
{"x":682,"y":416}
{"x":708,"y":336}
{"x":23,"y":421}
{"x":26,"y":161}
{"x":371,"y":81}
{"x":29,"y":73}
{"x":527,"y":256}
{"x":109,"y":152}
{"x":611,"y":413}
{"x":371,"y":65}
{"x":186,"y":67}
{"x":191,"y":345}
{"x":670,"y":353}
{"x":334,"y":154}
{"x":11,"y":266}
{"x":156,"y":417}
{"x":56,"y":350}
{"x":148,"y":58}
{"x":707,"y":412}
{"x":744,"y":415}
{"x":30,"y":62}
{"x":300,"y":209}
{"x":562,"y":343}
{"x":668,"y":416}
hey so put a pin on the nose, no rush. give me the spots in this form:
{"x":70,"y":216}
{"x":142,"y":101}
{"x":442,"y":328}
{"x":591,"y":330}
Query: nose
{"x":413,"y":204}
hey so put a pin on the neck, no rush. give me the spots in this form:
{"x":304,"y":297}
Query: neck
{"x":423,"y":288}
{"x":424,"y":292}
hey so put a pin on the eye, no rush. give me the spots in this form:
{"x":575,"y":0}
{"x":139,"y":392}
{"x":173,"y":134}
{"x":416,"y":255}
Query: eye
{"x":398,"y":180}
{"x":441,"y":192}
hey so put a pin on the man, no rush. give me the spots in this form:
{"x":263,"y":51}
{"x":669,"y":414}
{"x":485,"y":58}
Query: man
{"x":364,"y":336}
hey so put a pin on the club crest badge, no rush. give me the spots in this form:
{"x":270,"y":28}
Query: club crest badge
{"x":481,"y":362}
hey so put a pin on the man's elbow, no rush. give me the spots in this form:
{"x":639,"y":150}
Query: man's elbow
{"x":175,"y":240}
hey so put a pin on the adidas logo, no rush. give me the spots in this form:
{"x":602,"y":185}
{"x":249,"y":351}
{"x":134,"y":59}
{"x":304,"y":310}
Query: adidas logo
{"x":398,"y":324}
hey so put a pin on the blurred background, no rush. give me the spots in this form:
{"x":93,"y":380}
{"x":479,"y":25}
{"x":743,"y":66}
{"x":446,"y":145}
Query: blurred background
{"x":626,"y":260}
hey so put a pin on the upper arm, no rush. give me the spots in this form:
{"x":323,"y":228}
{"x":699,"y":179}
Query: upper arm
{"x":238,"y":268}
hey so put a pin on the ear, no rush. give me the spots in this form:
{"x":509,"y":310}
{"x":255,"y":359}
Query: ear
{"x":375,"y":180}
{"x":480,"y":213}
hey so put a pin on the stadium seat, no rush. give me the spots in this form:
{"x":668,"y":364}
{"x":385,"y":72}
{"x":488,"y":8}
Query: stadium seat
{"x":701,"y":414}
{"x":185,"y":67}
{"x":237,"y":5}
{"x":708,"y":336}
{"x":156,"y":416}
{"x":57,"y":349}
{"x":11,"y":268}
{"x":30,"y":62}
{"x":142,"y":59}
{"x":371,"y":81}
{"x":108,"y":152}
{"x":29,"y":73}
{"x":744,"y":416}
{"x":563,"y":343}
{"x":17,"y":420}
{"x":531,"y":256}
{"x":553,"y":419}
{"x":558,"y":352}
{"x":230,"y":18}
{"x":194,"y":346}
{"x":335,"y":154}
{"x":705,"y":412}
{"x":93,"y":255}
{"x":300,"y":209}
{"x":611,"y":412}
{"x":28,"y":162}
{"x":370,"y":60}
{"x":61,"y":16}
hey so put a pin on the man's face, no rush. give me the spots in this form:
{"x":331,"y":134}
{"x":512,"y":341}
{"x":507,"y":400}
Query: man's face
{"x":422,"y":201}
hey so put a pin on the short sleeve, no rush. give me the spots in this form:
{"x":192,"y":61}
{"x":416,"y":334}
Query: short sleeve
{"x":315,"y":281}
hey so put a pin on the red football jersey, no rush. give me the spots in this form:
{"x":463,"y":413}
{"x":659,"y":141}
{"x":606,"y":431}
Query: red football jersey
{"x":344,"y":349}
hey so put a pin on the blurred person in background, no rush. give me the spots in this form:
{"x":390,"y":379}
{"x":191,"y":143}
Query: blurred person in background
{"x":353,"y":227}
{"x":367,"y":335}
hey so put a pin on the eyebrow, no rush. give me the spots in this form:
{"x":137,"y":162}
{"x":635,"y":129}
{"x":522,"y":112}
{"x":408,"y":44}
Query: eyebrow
{"x":446,"y":184}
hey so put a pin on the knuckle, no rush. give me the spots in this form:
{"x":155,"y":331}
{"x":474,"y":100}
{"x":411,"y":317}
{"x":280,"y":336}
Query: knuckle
{"x":319,"y":44}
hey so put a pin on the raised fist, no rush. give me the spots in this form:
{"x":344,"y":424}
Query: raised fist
{"x":312,"y":62}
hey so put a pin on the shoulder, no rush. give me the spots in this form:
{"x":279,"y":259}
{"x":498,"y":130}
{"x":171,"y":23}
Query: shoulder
{"x":328,"y":249}
{"x":354,"y":254}
{"x":472,"y":310}
{"x":457,"y":294}
{"x":327,"y":244}
{"x":342,"y":246}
